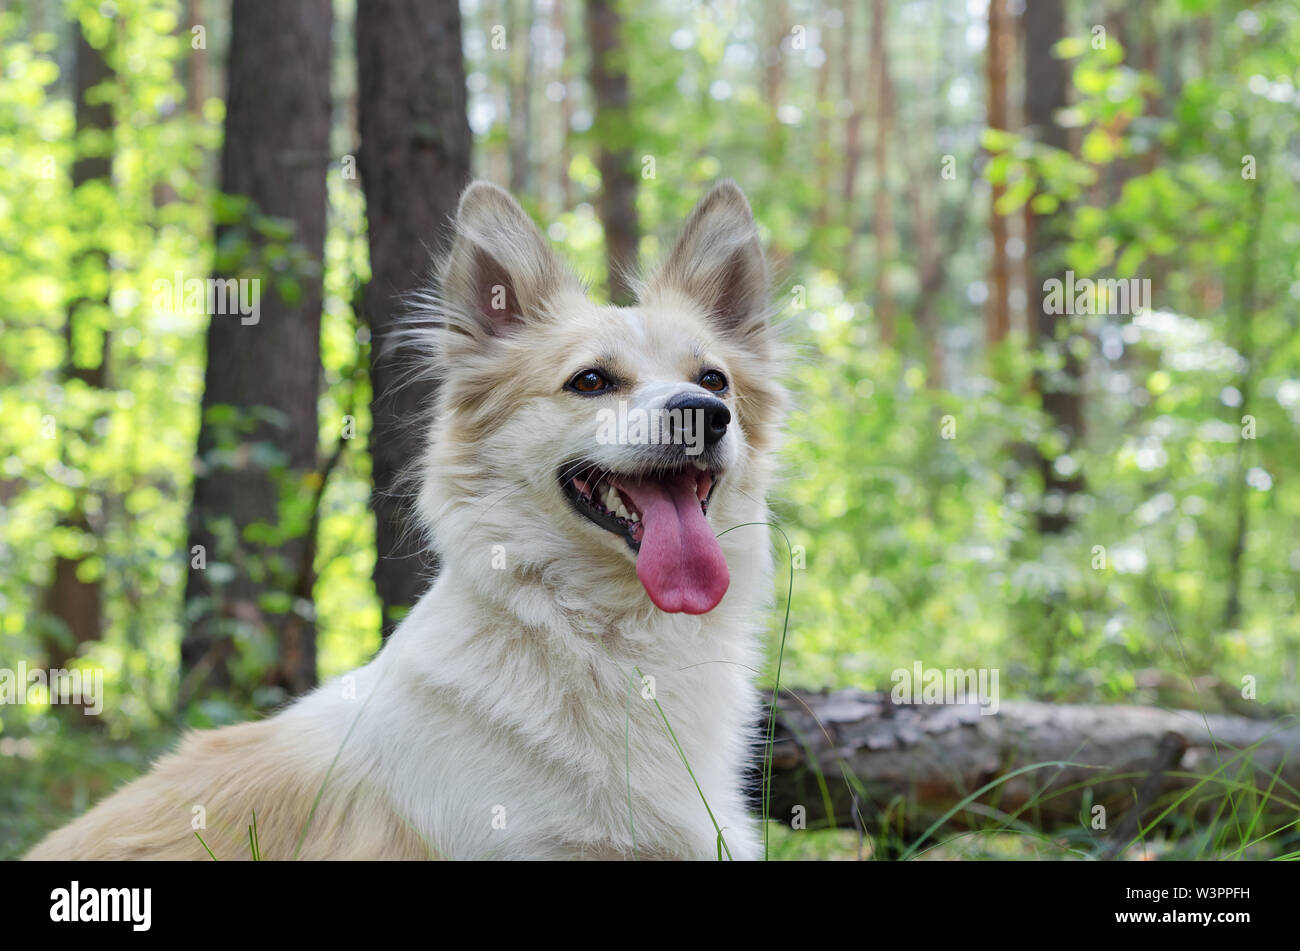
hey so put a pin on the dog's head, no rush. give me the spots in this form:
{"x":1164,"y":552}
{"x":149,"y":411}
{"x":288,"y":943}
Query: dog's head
{"x":603,"y":446}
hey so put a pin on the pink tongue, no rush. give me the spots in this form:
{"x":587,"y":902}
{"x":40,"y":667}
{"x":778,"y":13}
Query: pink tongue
{"x":680,"y":562}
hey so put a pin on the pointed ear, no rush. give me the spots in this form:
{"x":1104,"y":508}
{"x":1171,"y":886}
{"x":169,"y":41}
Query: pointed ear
{"x":717,"y":262}
{"x":501,"y":270}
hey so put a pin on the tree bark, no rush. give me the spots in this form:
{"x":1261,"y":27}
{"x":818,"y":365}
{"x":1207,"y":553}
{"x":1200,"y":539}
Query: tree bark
{"x":852,"y":138}
{"x":904,"y":766}
{"x":1245,"y":346}
{"x":1045,"y":243}
{"x":931,"y":272}
{"x":196,"y":85}
{"x":882,"y":223}
{"x":776,"y":16}
{"x":75,"y":604}
{"x":822,"y":147}
{"x":415,"y":161}
{"x":559,"y":25}
{"x":522,"y":68}
{"x":276,"y":153}
{"x":616,"y":158}
{"x":998,"y":312}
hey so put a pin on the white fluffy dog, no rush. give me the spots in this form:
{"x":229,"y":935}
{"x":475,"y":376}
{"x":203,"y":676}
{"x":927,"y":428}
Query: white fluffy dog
{"x":578,"y":682}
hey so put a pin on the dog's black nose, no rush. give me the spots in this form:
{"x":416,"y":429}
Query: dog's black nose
{"x":708,"y":409}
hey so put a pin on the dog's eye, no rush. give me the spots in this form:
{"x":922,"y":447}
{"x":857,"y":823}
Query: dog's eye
{"x":589,"y":381}
{"x":713,"y":380}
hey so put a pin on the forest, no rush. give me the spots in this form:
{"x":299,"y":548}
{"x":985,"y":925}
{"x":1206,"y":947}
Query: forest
{"x":1037,"y":261}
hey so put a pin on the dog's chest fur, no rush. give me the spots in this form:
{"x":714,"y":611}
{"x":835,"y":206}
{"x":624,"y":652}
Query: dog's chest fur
{"x":504,"y":740}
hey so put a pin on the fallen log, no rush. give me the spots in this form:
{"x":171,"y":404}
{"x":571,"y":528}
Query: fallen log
{"x":854,"y":758}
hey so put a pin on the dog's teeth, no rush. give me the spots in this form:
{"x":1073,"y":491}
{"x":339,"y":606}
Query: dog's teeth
{"x":698,"y":463}
{"x":621,"y":511}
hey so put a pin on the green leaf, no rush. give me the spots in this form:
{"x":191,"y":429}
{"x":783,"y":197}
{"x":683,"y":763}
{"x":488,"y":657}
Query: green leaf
{"x":1069,"y":47}
{"x":1016,"y":195}
{"x":1044,"y":204}
{"x":1098,"y":147}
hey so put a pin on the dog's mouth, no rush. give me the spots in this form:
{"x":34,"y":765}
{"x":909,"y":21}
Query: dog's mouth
{"x":662,"y":519}
{"x":609,"y":499}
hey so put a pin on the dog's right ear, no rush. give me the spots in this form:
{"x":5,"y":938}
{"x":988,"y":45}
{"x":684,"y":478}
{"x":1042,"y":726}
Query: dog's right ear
{"x":501,"y":271}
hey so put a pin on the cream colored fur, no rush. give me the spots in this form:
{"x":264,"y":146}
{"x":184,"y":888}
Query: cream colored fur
{"x":507,"y":716}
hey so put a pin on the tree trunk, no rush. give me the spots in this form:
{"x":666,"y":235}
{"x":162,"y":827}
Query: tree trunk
{"x":776,"y":16}
{"x":196,"y":86}
{"x":882,"y":224}
{"x":559,"y":26}
{"x":904,"y":766}
{"x":415,"y":161}
{"x":1245,"y":346}
{"x":520,"y":96}
{"x":1150,"y":65}
{"x":931,"y":272}
{"x":613,"y":128}
{"x":998,"y":313}
{"x":1045,"y":242}
{"x":822,"y":146}
{"x":276,"y":153}
{"x":75,"y":604}
{"x":852,"y":139}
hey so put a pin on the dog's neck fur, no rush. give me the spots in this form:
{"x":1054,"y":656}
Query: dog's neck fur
{"x":574,"y":697}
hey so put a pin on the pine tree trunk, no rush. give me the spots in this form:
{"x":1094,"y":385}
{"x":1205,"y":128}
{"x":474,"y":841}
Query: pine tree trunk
{"x":522,"y":68}
{"x":776,"y":16}
{"x":415,"y":161}
{"x":196,"y":83}
{"x":559,"y":25}
{"x":616,"y":159}
{"x":1045,"y":242}
{"x":882,"y":222}
{"x":998,"y":313}
{"x":823,"y":149}
{"x":276,"y":153}
{"x":1244,"y":344}
{"x":76,"y":604}
{"x":850,"y":93}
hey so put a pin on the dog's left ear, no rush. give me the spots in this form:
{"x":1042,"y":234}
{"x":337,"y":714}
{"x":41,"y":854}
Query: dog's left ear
{"x":718,"y":263}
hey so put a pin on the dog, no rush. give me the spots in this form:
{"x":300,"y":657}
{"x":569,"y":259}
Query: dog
{"x":578,"y":682}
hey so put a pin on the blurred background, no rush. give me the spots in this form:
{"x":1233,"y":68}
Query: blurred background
{"x":1040,"y":260}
